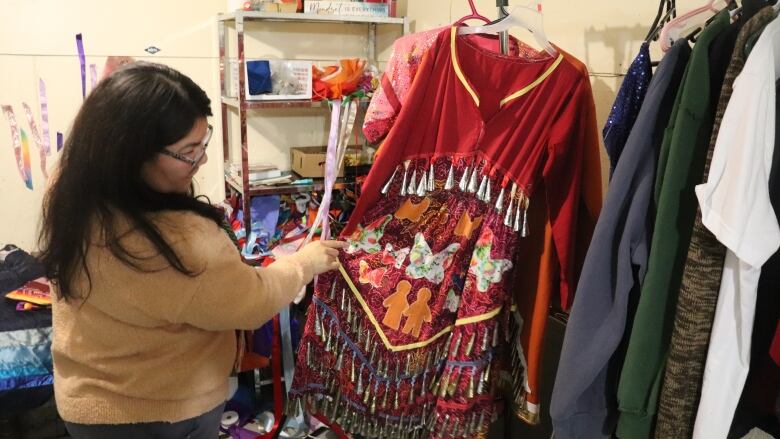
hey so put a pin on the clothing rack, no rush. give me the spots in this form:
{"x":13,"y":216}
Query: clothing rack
{"x":503,"y":37}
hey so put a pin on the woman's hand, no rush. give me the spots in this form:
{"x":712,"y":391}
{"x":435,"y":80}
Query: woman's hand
{"x":323,"y":255}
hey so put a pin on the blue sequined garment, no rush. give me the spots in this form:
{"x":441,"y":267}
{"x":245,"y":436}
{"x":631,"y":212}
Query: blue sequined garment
{"x":627,"y":104}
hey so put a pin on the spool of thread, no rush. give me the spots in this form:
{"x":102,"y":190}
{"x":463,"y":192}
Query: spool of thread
{"x":229,"y":419}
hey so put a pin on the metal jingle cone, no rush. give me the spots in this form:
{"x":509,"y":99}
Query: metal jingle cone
{"x":470,"y":344}
{"x":423,"y":388}
{"x":367,"y":392}
{"x":360,"y":381}
{"x":453,"y":382}
{"x":444,"y":425}
{"x":450,"y":182}
{"x":374,"y":397}
{"x":386,"y":187}
{"x":403,"y":183}
{"x":456,"y":346}
{"x":481,"y":422}
{"x":352,"y":369}
{"x":468,"y":427}
{"x":444,"y":384}
{"x":495,"y":335}
{"x":384,"y":397}
{"x":332,"y":294}
{"x":343,"y":300}
{"x":412,"y":188}
{"x":395,"y":397}
{"x":524,"y":227}
{"x":481,"y":383}
{"x":317,"y":328}
{"x":410,"y":399}
{"x":481,"y":190}
{"x":349,"y":312}
{"x":340,"y":360}
{"x":508,"y":216}
{"x":472,"y":187}
{"x":308,"y":354}
{"x":423,"y":186}
{"x":500,"y":201}
{"x":455,"y":428}
{"x":484,"y":345}
{"x":464,"y":180}
{"x":367,"y":340}
{"x":431,"y":178}
{"x":516,"y":224}
{"x":470,"y":389}
{"x":487,"y":195}
{"x":327,"y":343}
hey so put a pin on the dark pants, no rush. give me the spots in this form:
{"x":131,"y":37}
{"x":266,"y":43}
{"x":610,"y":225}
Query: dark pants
{"x":205,"y":426}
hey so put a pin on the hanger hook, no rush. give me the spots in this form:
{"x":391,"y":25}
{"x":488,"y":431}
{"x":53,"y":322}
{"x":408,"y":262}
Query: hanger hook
{"x":473,"y":8}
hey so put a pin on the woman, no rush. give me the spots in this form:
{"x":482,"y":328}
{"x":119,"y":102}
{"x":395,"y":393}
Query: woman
{"x":150,"y":287}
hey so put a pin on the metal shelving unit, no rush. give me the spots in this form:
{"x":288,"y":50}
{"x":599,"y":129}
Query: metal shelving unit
{"x":243,"y":106}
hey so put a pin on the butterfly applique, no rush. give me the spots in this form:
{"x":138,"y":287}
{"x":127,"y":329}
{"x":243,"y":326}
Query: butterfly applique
{"x":367,"y":238}
{"x":413,"y":212}
{"x":394,"y":257}
{"x":369,"y":276}
{"x":424,"y":264}
{"x":484,"y":268}
{"x":466,"y":226}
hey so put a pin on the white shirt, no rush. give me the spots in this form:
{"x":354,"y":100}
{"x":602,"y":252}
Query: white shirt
{"x":736,"y":208}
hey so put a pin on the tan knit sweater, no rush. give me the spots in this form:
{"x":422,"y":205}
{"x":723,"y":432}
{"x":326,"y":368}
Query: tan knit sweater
{"x":159,"y":345}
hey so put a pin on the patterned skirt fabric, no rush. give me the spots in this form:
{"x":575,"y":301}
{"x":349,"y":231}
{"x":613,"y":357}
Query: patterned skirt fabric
{"x":410,"y":338}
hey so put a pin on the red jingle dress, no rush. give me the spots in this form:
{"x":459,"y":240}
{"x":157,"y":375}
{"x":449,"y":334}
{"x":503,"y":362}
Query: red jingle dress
{"x":416,"y":334}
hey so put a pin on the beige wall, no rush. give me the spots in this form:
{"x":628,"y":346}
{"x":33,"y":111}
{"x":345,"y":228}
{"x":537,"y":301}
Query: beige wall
{"x":37,"y":40}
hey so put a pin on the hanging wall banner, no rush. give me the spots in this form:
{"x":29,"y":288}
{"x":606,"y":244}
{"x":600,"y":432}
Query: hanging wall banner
{"x":44,"y":116}
{"x":37,"y":137}
{"x":26,"y":160}
{"x":24,"y":172}
{"x":93,"y":75}
{"x":83,"y":62}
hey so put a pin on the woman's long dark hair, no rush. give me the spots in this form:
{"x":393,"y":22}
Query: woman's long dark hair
{"x":124,"y":122}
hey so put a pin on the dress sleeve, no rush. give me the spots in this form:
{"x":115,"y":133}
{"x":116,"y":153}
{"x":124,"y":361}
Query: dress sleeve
{"x":562,"y":175}
{"x":386,"y":102}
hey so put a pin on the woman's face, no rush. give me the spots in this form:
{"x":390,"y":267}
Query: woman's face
{"x":171,"y":170}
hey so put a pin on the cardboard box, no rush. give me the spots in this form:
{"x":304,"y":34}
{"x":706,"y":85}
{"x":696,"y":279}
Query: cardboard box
{"x":309,"y":161}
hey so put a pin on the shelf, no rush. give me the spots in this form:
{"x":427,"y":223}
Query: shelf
{"x":297,"y":103}
{"x":307,"y":18}
{"x":281,"y":189}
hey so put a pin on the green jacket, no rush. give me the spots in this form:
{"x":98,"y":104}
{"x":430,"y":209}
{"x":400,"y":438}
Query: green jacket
{"x":680,"y":168}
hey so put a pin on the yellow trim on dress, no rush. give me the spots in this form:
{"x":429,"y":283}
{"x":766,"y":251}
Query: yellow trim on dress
{"x":456,"y":65}
{"x":530,"y":86}
{"x":515,"y":95}
{"x":393,"y":348}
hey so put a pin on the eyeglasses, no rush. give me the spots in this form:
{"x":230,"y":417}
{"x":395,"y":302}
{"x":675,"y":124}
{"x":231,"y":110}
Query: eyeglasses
{"x":201,"y":152}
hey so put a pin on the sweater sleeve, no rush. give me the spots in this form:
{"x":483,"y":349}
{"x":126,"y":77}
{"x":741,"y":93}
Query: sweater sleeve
{"x":221,"y":293}
{"x":229,"y":294}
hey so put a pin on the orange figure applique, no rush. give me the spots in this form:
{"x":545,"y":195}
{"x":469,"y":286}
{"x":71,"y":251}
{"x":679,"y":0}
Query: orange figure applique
{"x":413,"y":212}
{"x":369,"y":276}
{"x":466,"y":226}
{"x":417,"y":313}
{"x":396,"y":304}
